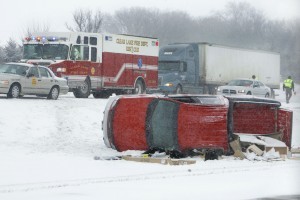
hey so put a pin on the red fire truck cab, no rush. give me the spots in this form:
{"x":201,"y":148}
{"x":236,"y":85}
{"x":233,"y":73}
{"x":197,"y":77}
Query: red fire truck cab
{"x":97,"y":63}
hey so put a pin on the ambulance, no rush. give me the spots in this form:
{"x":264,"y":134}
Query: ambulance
{"x":97,"y":64}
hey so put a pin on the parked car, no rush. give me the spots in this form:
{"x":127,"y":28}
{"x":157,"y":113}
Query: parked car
{"x":18,"y":79}
{"x":186,"y":122}
{"x":245,"y":87}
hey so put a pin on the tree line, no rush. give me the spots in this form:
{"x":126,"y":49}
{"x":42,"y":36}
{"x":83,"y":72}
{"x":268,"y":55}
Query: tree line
{"x":238,"y":25}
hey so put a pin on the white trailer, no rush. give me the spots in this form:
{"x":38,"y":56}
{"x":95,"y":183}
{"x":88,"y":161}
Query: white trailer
{"x":222,"y":64}
{"x":202,"y":67}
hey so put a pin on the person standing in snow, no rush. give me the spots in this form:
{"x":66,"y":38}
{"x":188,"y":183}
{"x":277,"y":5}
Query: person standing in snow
{"x":288,"y":86}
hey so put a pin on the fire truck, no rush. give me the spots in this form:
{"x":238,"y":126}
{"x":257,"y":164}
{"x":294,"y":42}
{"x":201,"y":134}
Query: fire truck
{"x":94,"y":63}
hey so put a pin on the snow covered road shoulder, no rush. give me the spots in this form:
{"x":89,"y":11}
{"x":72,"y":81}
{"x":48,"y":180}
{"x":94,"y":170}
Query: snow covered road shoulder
{"x":47,"y":151}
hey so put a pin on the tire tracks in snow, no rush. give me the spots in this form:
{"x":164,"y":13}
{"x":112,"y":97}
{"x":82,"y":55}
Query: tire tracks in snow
{"x":49,"y":185}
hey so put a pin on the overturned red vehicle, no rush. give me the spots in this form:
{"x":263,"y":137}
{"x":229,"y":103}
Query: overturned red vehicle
{"x":187,"y":122}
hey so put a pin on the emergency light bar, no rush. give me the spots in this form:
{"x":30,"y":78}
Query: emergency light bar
{"x":45,"y":39}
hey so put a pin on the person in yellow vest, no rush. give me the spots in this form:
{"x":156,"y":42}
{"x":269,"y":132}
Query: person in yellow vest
{"x":288,"y":86}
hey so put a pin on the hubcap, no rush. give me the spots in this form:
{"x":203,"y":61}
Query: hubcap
{"x":15,"y":91}
{"x":84,"y":88}
{"x":55,"y":93}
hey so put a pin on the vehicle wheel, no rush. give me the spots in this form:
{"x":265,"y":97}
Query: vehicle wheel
{"x":178,"y":89}
{"x":138,"y":88}
{"x":267,"y":95}
{"x":272,"y":94}
{"x":84,"y":91}
{"x":14,"y":91}
{"x":249,"y":93}
{"x":103,"y":94}
{"x":205,"y":90}
{"x":54,"y":93}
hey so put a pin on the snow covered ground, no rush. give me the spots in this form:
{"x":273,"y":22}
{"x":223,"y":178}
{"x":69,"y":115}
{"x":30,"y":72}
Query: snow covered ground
{"x":47,"y":151}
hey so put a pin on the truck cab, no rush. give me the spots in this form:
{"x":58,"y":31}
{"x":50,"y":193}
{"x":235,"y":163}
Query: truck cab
{"x":177,"y":68}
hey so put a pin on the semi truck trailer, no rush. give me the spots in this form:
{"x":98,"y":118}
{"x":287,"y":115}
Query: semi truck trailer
{"x":200,"y":68}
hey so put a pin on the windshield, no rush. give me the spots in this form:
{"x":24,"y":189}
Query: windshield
{"x":169,"y":65}
{"x":46,"y":51}
{"x":163,"y":124}
{"x":240,"y":83}
{"x":13,"y":69}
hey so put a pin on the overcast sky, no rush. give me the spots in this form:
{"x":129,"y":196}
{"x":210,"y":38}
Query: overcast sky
{"x":17,"y":15}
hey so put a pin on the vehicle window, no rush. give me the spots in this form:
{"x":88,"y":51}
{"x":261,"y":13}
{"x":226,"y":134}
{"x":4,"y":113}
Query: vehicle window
{"x":76,"y":52}
{"x":86,"y":53}
{"x":34,"y":71}
{"x":206,"y":100}
{"x":3,"y":68}
{"x":85,"y":40}
{"x":45,"y":51}
{"x":94,"y":54}
{"x":210,"y":100}
{"x":44,"y":72}
{"x":163,"y":124}
{"x":261,"y":84}
{"x":78,"y":41}
{"x":13,"y":69}
{"x":21,"y":70}
{"x":240,"y":83}
{"x":168,"y":66}
{"x":93,"y":40}
{"x":256,"y":84}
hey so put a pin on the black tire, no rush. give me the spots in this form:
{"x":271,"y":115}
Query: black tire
{"x":14,"y":91}
{"x":272,"y":94}
{"x":178,"y":90}
{"x":103,"y":94}
{"x":205,"y":90}
{"x":54,"y":93}
{"x":138,"y":88}
{"x":84,"y":91}
{"x":267,"y":95}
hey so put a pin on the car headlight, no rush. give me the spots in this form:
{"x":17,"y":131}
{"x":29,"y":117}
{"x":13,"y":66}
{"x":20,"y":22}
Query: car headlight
{"x":169,"y":84}
{"x":61,"y":69}
{"x":4,"y":82}
{"x":241,"y":91}
{"x":218,"y":89}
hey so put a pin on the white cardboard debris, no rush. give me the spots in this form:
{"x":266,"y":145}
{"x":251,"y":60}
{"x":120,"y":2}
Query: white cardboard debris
{"x":261,"y":140}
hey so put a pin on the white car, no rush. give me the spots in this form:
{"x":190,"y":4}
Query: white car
{"x":18,"y":79}
{"x":245,"y":87}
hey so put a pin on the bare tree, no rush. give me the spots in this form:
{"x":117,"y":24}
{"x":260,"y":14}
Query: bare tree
{"x":86,"y":21}
{"x":137,"y":21}
{"x":2,"y":55}
{"x":168,"y":26}
{"x":36,"y":27}
{"x":13,"y":51}
{"x":245,"y":25}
